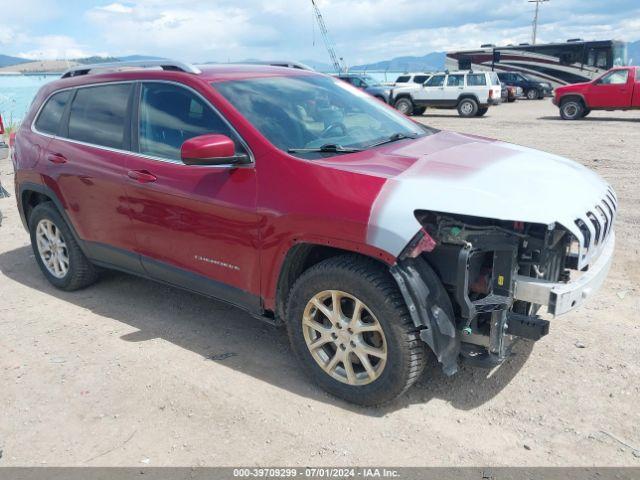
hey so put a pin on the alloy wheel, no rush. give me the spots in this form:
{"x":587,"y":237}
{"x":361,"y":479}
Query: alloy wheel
{"x":52,"y":248}
{"x":344,"y":337}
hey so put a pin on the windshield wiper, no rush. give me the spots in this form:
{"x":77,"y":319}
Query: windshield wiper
{"x":393,"y":138}
{"x":326,"y":148}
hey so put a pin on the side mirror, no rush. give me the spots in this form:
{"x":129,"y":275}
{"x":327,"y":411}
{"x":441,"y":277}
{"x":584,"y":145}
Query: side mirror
{"x":211,"y":149}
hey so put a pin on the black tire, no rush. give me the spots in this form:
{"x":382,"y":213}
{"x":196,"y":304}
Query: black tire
{"x":482,"y":111}
{"x":369,"y":281}
{"x":586,"y":112}
{"x":511,"y":99}
{"x":533,"y":94}
{"x":417,"y":111}
{"x":571,"y":109}
{"x":404,"y":105}
{"x":81,"y":273}
{"x":467,"y":107}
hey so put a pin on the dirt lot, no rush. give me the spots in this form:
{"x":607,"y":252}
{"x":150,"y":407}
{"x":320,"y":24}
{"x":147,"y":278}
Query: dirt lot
{"x":129,"y":372}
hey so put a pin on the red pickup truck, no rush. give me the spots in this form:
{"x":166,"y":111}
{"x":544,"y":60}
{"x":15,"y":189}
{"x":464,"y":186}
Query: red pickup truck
{"x":618,"y":89}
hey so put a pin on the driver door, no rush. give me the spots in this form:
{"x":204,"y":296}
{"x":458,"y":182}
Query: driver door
{"x":611,"y":91}
{"x":433,"y":90}
{"x":194,"y":226}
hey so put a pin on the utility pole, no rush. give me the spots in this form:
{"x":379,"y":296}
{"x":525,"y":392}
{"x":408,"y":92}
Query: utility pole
{"x":535,"y":19}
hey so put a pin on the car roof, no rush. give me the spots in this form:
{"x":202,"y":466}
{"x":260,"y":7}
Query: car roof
{"x":207,"y":73}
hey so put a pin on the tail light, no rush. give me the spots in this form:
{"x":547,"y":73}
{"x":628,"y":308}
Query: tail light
{"x":1,"y":126}
{"x":491,"y":93}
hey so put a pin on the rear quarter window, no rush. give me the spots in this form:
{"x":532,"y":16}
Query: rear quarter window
{"x":49,"y":119}
{"x":98,"y":115}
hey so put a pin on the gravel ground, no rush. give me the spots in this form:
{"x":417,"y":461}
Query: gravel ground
{"x":130,"y":372}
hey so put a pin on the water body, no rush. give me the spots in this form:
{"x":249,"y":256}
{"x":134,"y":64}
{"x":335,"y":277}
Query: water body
{"x":17,"y":92}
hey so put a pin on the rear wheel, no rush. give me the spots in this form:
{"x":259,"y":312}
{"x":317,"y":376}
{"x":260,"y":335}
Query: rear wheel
{"x":419,"y":110}
{"x":586,"y":112}
{"x":352,"y":333}
{"x":533,"y":94}
{"x":467,"y":107}
{"x":482,"y":111}
{"x":571,"y":109}
{"x":404,"y":105}
{"x":57,"y":253}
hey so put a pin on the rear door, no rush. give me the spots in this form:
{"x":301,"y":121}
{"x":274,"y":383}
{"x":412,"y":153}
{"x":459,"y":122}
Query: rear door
{"x":195,"y":226}
{"x":612,"y":90}
{"x":86,"y":161}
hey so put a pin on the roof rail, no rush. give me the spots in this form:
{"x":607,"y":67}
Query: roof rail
{"x":170,"y":65}
{"x":281,"y":63}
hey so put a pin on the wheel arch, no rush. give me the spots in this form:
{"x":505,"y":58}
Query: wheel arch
{"x":466,"y":96}
{"x":304,"y":255}
{"x":32,"y":194}
{"x":573,"y":96}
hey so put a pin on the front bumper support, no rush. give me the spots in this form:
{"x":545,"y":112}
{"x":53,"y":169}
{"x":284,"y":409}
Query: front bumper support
{"x":563,"y":297}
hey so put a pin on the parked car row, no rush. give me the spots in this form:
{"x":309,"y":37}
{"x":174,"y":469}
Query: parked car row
{"x":471,"y":93}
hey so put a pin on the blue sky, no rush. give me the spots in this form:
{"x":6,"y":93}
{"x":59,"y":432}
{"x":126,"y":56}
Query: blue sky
{"x":362,"y":30}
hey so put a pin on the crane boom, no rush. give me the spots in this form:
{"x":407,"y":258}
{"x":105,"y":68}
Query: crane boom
{"x":327,"y":41}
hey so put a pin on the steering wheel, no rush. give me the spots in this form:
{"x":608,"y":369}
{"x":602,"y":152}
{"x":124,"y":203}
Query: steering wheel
{"x":325,"y":133}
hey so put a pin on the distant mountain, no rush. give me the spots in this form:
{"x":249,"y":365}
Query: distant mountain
{"x":429,"y":62}
{"x":7,"y":61}
{"x":136,"y":58}
{"x":633,"y":52}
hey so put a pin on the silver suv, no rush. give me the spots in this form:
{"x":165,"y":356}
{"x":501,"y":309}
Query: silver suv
{"x":471,"y":93}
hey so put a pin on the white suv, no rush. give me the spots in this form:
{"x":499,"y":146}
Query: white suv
{"x":470,"y":92}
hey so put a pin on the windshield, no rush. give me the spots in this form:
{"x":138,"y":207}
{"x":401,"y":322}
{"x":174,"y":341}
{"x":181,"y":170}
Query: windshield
{"x":307,"y":112}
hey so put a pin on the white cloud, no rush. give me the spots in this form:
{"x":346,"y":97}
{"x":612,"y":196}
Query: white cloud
{"x":55,"y":47}
{"x":116,"y":8}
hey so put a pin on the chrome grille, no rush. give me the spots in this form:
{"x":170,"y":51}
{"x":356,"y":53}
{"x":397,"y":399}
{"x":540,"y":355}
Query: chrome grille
{"x":597,"y":224}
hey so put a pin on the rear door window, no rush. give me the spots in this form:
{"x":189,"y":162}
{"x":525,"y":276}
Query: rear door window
{"x":403,"y":79}
{"x":49,"y":119}
{"x":99,"y":115}
{"x":170,"y":115}
{"x":455,"y":81}
{"x":420,"y":79}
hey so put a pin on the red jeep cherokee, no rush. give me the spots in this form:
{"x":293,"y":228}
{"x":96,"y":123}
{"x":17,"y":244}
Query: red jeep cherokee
{"x":308,"y":203}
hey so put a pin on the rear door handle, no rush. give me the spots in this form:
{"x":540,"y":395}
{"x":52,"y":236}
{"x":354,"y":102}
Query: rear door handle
{"x":57,"y":158}
{"x":142,"y":176}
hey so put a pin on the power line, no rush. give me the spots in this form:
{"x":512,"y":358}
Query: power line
{"x":535,"y":18}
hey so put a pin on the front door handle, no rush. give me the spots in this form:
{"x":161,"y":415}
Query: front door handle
{"x":57,"y":158}
{"x":142,"y":176}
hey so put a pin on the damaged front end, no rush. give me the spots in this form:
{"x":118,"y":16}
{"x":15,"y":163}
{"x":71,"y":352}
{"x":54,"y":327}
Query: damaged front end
{"x":474,"y":286}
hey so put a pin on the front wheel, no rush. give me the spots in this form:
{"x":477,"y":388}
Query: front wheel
{"x":404,"y":105}
{"x":468,"y":107}
{"x":351,"y":331}
{"x":417,"y":111}
{"x":571,"y":109}
{"x":482,"y":111}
